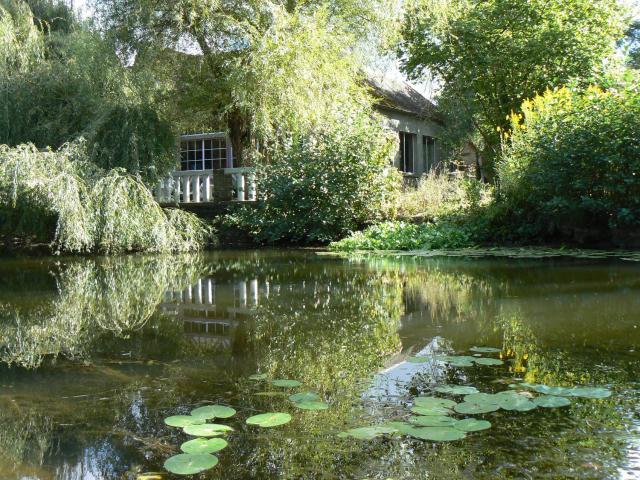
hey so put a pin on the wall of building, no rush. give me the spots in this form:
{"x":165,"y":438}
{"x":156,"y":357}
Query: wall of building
{"x":405,"y":122}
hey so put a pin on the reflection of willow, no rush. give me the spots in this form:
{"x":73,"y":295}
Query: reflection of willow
{"x":24,"y":435}
{"x":115,"y":295}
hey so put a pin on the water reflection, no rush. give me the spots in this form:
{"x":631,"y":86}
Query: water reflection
{"x":97,"y":352}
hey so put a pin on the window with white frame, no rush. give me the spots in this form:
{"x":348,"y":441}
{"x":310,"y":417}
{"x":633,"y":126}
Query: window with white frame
{"x":407,"y":147}
{"x":203,"y":153}
{"x":429,"y":153}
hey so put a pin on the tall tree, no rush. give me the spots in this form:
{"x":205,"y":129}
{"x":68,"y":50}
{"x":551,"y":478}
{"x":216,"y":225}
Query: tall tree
{"x":490,"y":55}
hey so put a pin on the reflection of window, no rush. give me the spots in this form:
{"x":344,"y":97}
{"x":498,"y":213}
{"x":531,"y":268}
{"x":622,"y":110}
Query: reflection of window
{"x":406,"y":152}
{"x":428,"y":152}
{"x":203,"y":153}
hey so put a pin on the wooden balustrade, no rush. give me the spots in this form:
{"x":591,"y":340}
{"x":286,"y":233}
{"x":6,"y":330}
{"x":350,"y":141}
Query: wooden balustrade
{"x":197,"y":186}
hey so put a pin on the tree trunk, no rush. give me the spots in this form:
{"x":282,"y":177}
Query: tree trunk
{"x":239,"y":134}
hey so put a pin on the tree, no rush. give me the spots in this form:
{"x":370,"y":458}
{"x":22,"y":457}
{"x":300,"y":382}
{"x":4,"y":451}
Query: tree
{"x":259,"y":69}
{"x":492,"y":55}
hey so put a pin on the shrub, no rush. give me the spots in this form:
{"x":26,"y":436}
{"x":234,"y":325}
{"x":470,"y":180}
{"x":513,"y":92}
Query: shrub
{"x":572,"y":162}
{"x":91,"y":210}
{"x":320,"y":188}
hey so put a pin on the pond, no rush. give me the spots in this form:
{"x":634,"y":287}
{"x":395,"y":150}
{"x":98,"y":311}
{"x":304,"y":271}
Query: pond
{"x":96,"y":353}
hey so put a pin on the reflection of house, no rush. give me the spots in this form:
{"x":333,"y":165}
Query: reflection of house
{"x":211,"y":312}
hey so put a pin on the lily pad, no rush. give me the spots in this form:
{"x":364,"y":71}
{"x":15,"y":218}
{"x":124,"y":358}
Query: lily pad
{"x":517,"y":403}
{"x":433,"y":421}
{"x":433,"y":402}
{"x":456,"y":389}
{"x":433,"y":410}
{"x":547,"y":390}
{"x":551,"y":401}
{"x":474,"y":408}
{"x":270,"y":394}
{"x":590,"y":392}
{"x":270,"y":419}
{"x":304,"y":397}
{"x":213,"y":411}
{"x":418,"y":359}
{"x":457,"y":360}
{"x":471,"y":425}
{"x":190,"y":463}
{"x":488,"y":361}
{"x":183,"y":420}
{"x":312,"y":405}
{"x":286,"y":383}
{"x":258,"y":376}
{"x":485,"y":349}
{"x":487,"y":398}
{"x":207,"y":430}
{"x":368,"y":433}
{"x":203,"y":445}
{"x":436,"y":434}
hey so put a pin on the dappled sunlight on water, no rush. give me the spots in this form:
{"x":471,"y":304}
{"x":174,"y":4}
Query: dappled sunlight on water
{"x":97,"y":352}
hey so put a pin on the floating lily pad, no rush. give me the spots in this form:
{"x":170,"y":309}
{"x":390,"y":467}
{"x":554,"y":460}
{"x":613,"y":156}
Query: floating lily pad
{"x":457,"y":360}
{"x":207,"y":430}
{"x":286,"y":383}
{"x":213,"y":411}
{"x":483,"y":398}
{"x":471,"y":425}
{"x":203,"y":445}
{"x":474,"y":408}
{"x":488,"y":361}
{"x":590,"y":392}
{"x":312,"y":405}
{"x":270,"y":394}
{"x":485,"y":349}
{"x":436,"y":434}
{"x":190,"y":463}
{"x":432,"y":421}
{"x":456,"y":389}
{"x":547,"y":390}
{"x":433,"y":402}
{"x":517,"y":403}
{"x":270,"y":419}
{"x":368,"y":433}
{"x":433,"y":410}
{"x":551,"y":401}
{"x":418,"y":359}
{"x":183,"y":420}
{"x":304,"y":397}
{"x":258,"y":376}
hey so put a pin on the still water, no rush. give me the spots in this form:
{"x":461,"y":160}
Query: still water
{"x":95,"y":353}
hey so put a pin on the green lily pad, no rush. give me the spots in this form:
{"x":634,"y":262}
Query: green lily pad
{"x":190,"y":463}
{"x":472,"y":425}
{"x":547,"y":390}
{"x":590,"y":392}
{"x":485,"y":349}
{"x":368,"y":433}
{"x":418,"y":359}
{"x":286,"y":383}
{"x":258,"y":376}
{"x":304,"y":397}
{"x":433,"y":402}
{"x":517,"y":403}
{"x":436,"y":434}
{"x":551,"y":401}
{"x":312,"y":405}
{"x":270,"y":394}
{"x":213,"y":411}
{"x":270,"y":419}
{"x":203,"y":445}
{"x":456,"y":389}
{"x":207,"y":430}
{"x":434,"y":410}
{"x":488,"y":361}
{"x":483,"y":398}
{"x":474,"y":408}
{"x":432,"y":421}
{"x":457,"y":360}
{"x":182,"y":420}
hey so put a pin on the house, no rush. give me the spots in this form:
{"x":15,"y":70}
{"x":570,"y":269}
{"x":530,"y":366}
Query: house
{"x":206,"y":163}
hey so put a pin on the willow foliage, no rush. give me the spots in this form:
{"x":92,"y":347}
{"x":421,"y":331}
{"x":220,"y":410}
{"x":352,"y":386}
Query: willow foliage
{"x":93,"y":210}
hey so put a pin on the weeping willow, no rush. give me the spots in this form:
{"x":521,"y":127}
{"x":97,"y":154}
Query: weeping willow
{"x":91,"y":210}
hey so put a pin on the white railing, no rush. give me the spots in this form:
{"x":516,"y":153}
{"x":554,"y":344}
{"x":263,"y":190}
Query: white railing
{"x":197,"y":186}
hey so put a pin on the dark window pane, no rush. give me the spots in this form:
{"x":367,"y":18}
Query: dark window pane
{"x":208,"y":144}
{"x":198,"y":154}
{"x":191,"y":155}
{"x":208,"y":165}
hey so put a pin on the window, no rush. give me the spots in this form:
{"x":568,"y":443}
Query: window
{"x":428,"y":152}
{"x":406,"y":151}
{"x":203,"y":153}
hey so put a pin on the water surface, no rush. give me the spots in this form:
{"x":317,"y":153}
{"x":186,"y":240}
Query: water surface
{"x":95,"y":353}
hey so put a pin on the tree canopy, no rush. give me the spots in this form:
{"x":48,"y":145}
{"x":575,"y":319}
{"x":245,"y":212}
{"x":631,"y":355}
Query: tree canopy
{"x":492,"y":55}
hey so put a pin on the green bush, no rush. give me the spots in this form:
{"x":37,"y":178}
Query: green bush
{"x":408,"y":236}
{"x":86,"y":209}
{"x":571,"y":167}
{"x":320,"y":188}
